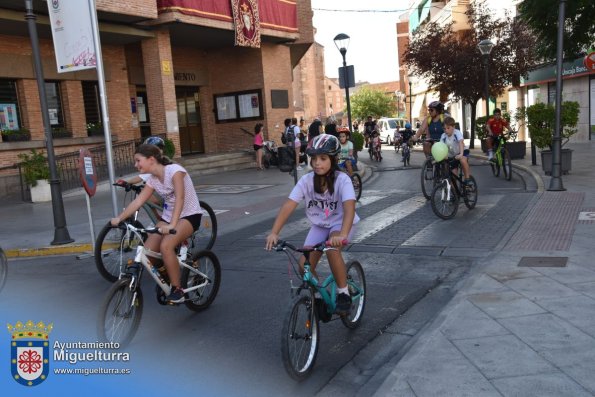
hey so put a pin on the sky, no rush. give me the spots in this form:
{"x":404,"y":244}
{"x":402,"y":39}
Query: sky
{"x":373,"y":36}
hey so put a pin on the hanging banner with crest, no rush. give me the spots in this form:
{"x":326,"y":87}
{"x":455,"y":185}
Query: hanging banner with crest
{"x":247,"y":23}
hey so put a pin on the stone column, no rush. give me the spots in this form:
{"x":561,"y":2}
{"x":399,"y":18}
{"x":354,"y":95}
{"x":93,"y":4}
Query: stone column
{"x":161,"y":91}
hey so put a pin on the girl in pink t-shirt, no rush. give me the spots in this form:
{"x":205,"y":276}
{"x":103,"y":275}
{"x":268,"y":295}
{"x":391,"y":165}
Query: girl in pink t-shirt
{"x":181,"y":209}
{"x":258,"y":142}
{"x":330,"y":208}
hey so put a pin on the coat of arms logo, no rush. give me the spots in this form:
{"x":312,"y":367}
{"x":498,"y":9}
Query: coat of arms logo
{"x":29,"y":352}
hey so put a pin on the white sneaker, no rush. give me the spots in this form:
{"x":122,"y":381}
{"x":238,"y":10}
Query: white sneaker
{"x":299,"y":168}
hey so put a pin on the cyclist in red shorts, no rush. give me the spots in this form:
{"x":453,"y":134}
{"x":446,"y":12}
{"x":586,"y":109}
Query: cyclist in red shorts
{"x":495,"y":127}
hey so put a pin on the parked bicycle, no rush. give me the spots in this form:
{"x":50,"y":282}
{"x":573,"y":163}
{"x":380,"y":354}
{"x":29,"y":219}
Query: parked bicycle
{"x":450,"y":188}
{"x":114,"y":247}
{"x":122,"y":308}
{"x":501,"y":159}
{"x":313,"y":302}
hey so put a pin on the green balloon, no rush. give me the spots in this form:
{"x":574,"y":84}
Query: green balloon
{"x":439,"y":151}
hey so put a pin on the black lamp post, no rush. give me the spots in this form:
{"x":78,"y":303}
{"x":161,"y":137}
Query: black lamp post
{"x":61,"y":235}
{"x":342,"y":42}
{"x":410,"y":105}
{"x":485,"y":46}
{"x":556,"y":181}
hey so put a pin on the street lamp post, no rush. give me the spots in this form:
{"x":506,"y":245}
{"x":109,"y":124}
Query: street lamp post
{"x":342,"y":42}
{"x":485,"y":47}
{"x":410,"y":105}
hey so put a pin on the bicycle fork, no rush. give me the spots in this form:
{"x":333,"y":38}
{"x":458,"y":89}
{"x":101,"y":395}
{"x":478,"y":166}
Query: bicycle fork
{"x":446,"y":195}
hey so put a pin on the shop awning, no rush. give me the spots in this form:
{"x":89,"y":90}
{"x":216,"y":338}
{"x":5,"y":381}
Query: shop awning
{"x":419,"y":101}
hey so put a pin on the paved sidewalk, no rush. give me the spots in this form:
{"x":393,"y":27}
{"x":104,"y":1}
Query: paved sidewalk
{"x":512,"y":329}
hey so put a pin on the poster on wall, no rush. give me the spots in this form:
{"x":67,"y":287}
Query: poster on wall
{"x":8,"y":116}
{"x":73,"y":35}
{"x":249,"y":105}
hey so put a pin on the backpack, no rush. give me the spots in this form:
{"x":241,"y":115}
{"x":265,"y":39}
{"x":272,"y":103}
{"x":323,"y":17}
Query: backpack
{"x":289,"y":135}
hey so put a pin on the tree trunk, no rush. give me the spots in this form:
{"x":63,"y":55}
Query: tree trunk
{"x":473,"y":114}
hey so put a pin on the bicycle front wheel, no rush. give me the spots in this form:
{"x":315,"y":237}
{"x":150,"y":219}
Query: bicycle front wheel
{"x":120,"y":313}
{"x":445,"y":201}
{"x":301,"y":336}
{"x":207,"y":263}
{"x":206,"y":235}
{"x":495,"y":165}
{"x":113,"y":249}
{"x":356,"y":283}
{"x":357,"y":185}
{"x":427,"y":179}
{"x":3,"y":269}
{"x":506,"y":164}
{"x":470,"y":197}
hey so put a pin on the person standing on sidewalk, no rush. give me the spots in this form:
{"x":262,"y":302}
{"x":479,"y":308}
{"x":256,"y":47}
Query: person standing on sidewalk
{"x":315,"y":129}
{"x":258,"y":142}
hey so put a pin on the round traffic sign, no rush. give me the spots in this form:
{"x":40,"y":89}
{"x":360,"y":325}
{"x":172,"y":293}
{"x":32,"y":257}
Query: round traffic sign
{"x":87,"y":172}
{"x":589,"y":61}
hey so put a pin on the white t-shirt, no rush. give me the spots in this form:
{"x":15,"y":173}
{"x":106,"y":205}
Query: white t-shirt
{"x":324,"y":210}
{"x":345,"y":148}
{"x":453,"y":142}
{"x":166,"y":190}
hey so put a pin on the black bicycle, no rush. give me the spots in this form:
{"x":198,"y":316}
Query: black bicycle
{"x":450,"y":188}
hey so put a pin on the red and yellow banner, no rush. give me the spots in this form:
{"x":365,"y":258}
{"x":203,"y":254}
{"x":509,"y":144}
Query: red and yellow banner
{"x":273,"y":14}
{"x":246,"y":22}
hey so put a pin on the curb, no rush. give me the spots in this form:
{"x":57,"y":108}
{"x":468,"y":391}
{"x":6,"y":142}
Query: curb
{"x":536,"y":177}
{"x":46,"y":251}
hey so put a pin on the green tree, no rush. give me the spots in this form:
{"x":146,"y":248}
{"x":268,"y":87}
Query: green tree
{"x":370,"y":102}
{"x":452,"y":63}
{"x":542,"y":18}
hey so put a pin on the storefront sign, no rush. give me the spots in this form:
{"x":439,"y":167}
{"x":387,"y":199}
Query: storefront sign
{"x":185,"y":76}
{"x":73,"y":35}
{"x":548,"y":73}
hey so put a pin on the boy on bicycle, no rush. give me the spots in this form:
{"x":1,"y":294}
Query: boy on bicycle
{"x":330,"y":208}
{"x":495,"y":127}
{"x":453,"y":138}
{"x":346,"y":160}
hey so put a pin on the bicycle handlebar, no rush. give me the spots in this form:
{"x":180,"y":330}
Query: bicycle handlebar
{"x":153,"y":230}
{"x":128,"y":186}
{"x":323,"y":246}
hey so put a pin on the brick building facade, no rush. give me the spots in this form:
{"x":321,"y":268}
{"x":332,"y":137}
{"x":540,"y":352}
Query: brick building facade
{"x":171,"y":68}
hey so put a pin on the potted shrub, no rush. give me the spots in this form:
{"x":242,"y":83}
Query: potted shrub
{"x":358,"y":142}
{"x":36,"y":173}
{"x":541,"y":120}
{"x":170,"y":149}
{"x":481,"y":133}
{"x":94,"y":129}
{"x":21,"y":134}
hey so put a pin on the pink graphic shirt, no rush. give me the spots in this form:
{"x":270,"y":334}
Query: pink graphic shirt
{"x":166,"y":190}
{"x":258,"y":139}
{"x":324,"y":210}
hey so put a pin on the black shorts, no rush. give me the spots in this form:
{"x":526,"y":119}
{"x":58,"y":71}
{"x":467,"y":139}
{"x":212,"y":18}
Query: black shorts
{"x":194,"y":220}
{"x":257,"y":147}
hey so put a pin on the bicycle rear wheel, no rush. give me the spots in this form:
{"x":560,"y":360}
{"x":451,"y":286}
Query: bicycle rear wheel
{"x":113,"y":249}
{"x":120,"y":313}
{"x":357,"y":185}
{"x":206,"y":235}
{"x":506,"y":164}
{"x":445,"y":201}
{"x":356,"y":282}
{"x":207,"y":263}
{"x":427,"y":179}
{"x":300,"y":338}
{"x":470,"y":197}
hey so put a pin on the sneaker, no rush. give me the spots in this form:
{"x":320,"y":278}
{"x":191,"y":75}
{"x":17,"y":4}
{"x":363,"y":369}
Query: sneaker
{"x":343,"y":304}
{"x":299,"y":168}
{"x":175,"y":296}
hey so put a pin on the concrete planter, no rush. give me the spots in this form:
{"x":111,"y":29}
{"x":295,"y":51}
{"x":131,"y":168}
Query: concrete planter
{"x":41,"y":192}
{"x":546,"y":161}
{"x":517,"y":149}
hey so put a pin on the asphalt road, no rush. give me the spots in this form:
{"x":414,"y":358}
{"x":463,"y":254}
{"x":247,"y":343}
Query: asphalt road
{"x":233,"y":348}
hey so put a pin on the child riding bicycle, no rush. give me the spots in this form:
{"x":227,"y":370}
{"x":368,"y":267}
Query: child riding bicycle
{"x":346,"y":160}
{"x":181,"y":210}
{"x":330,"y":208}
{"x":453,"y":138}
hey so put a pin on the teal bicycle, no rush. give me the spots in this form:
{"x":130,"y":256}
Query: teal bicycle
{"x":313,"y":301}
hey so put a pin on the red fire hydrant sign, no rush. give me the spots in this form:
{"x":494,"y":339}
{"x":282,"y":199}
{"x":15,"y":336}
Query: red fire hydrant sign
{"x":87,"y":172}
